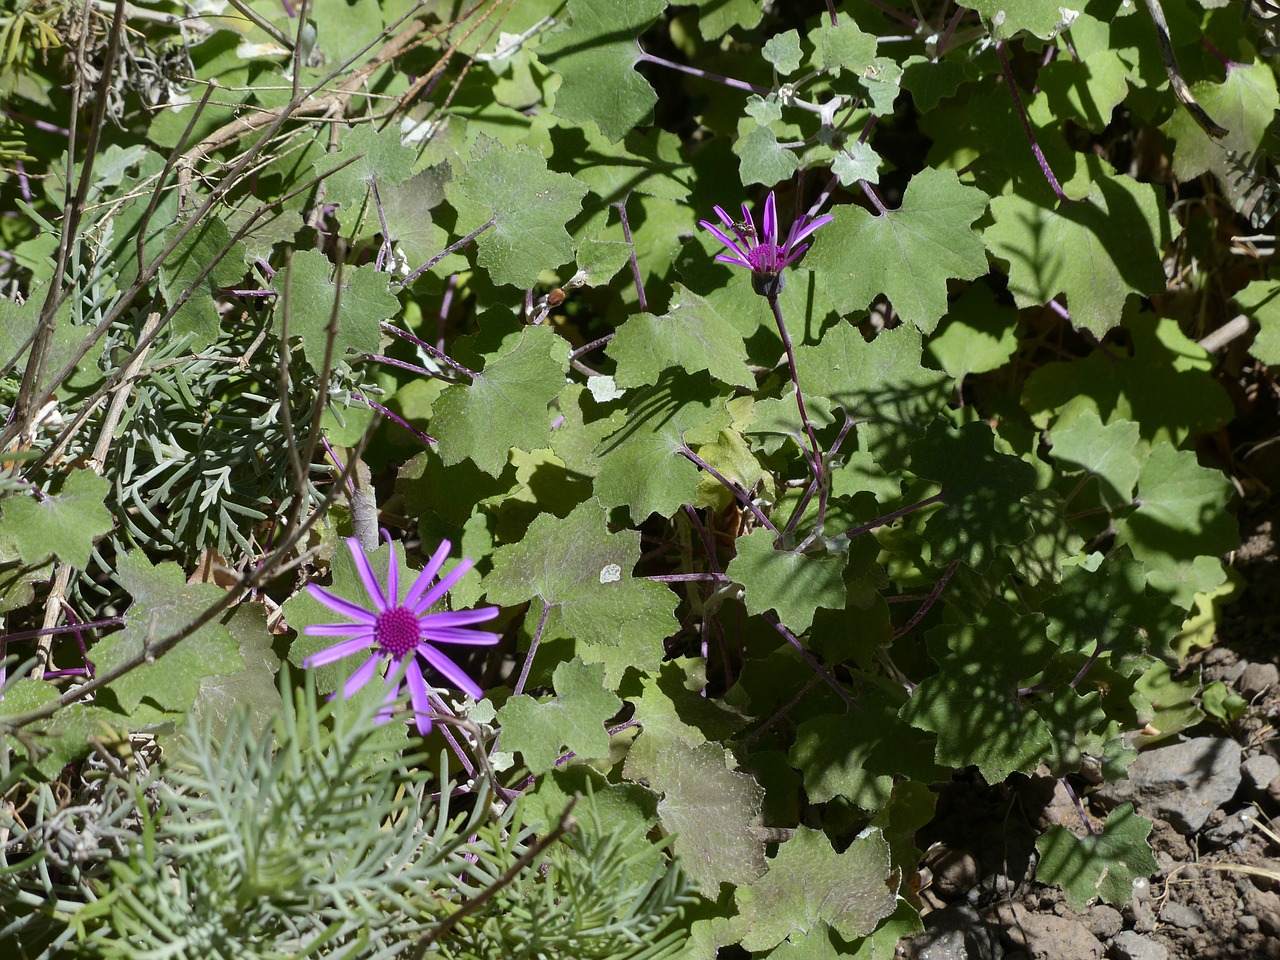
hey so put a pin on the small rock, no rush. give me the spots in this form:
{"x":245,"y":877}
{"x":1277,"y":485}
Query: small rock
{"x":1180,"y":915}
{"x":1235,"y":670}
{"x":1264,"y":905}
{"x":956,"y":933}
{"x":1141,"y":915}
{"x":1233,"y":828}
{"x":1257,"y":677}
{"x":1248,"y":923}
{"x":1132,"y":946}
{"x":1182,"y":783}
{"x":1048,"y":937}
{"x":1260,"y":772}
{"x":954,"y":873}
{"x":1104,"y":922}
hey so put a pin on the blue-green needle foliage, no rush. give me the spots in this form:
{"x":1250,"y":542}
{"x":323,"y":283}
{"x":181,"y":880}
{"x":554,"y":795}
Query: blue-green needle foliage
{"x":319,"y":837}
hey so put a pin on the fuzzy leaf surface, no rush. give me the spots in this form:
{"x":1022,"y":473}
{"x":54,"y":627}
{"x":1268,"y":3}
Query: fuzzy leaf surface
{"x":908,"y":254}
{"x":572,"y":722}
{"x":62,"y":525}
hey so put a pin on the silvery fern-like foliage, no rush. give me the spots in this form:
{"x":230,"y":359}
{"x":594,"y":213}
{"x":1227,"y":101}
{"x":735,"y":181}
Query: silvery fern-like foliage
{"x":321,"y":837}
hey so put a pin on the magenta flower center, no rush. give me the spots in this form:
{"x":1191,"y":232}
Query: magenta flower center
{"x":764,"y":258}
{"x":396,"y":631}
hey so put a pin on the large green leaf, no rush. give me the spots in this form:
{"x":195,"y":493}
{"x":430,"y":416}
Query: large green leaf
{"x":572,"y":722}
{"x":63,"y":525}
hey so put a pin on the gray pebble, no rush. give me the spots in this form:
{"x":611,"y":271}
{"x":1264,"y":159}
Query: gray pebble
{"x":1257,"y":677}
{"x":1104,"y":922}
{"x":1260,"y":772}
{"x":1181,"y":915}
{"x":1132,"y":946}
{"x":1141,"y":916}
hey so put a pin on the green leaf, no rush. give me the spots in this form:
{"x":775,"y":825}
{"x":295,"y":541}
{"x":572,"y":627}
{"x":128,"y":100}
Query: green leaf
{"x":62,"y":525}
{"x":1110,"y":453}
{"x":882,"y":383}
{"x":672,"y":708}
{"x":163,"y":604}
{"x":505,"y":406}
{"x":930,"y":81}
{"x":793,"y":584}
{"x":1165,"y":385}
{"x":907,"y":254}
{"x":718,"y":17}
{"x":809,"y":884}
{"x":595,"y":55}
{"x":981,"y":512}
{"x":253,"y":688}
{"x":978,"y":335}
{"x":859,"y":754}
{"x":843,"y":47}
{"x":1106,"y":607}
{"x":383,"y":160}
{"x":856,"y":161}
{"x":209,"y":243}
{"x":408,"y":210}
{"x":783,"y":51}
{"x":1244,"y":103}
{"x":1086,"y":90}
{"x":1009,"y":17}
{"x":762,"y":158}
{"x":581,"y":575}
{"x":691,"y":336}
{"x":363,"y":303}
{"x":526,"y":206}
{"x":64,"y":737}
{"x":972,"y":702}
{"x":1181,"y":515}
{"x":1259,"y":300}
{"x":640,"y":465}
{"x":1100,"y":865}
{"x":573,"y":722}
{"x":1096,"y":251}
{"x":714,"y":813}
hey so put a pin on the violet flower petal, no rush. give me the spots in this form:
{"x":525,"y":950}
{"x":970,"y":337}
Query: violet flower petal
{"x":451,"y":671}
{"x":418,"y":697}
{"x":338,"y":651}
{"x":423,"y":581}
{"x":370,"y":582}
{"x":338,"y":605}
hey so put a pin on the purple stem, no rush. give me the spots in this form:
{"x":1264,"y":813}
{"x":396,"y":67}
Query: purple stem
{"x":705,"y":75}
{"x":437,"y":353}
{"x":406,"y":365}
{"x":448,"y":250}
{"x":565,"y":758}
{"x":1084,"y":818}
{"x":448,"y":735}
{"x":1059,"y":309}
{"x":687,"y":577}
{"x":67,"y":628}
{"x":714,"y":562}
{"x":533,"y":649}
{"x":890,"y":517}
{"x":731,"y":487}
{"x":791,"y":705}
{"x":252,"y":293}
{"x":23,"y":184}
{"x":1026,"y":123}
{"x":874,"y":197}
{"x":38,"y":124}
{"x":893,"y":13}
{"x":384,"y":251}
{"x":1226,"y":62}
{"x":813,"y":484}
{"x":831,"y":9}
{"x":351,"y":487}
{"x":929,"y":601}
{"x":818,"y":668}
{"x":1088,"y":665}
{"x":583,"y":351}
{"x":621,"y":207}
{"x":396,"y":418}
{"x":941,"y":48}
{"x":816,"y":463}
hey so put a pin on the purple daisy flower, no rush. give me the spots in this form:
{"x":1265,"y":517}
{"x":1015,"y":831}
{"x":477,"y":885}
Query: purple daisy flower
{"x":763,"y":255}
{"x":401,"y":631}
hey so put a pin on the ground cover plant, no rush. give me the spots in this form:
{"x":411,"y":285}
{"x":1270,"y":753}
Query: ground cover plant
{"x":562,"y":478}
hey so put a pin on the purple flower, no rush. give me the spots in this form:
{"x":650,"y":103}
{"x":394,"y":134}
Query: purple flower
{"x":401,"y":631}
{"x":763,"y":255}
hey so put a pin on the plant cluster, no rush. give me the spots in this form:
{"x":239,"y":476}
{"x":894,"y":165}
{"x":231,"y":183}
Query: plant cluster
{"x":771,"y":522}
